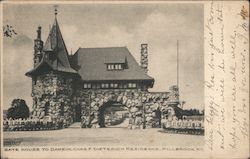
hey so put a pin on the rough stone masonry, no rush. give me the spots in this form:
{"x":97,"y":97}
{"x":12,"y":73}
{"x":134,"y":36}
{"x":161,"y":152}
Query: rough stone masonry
{"x":78,"y":88}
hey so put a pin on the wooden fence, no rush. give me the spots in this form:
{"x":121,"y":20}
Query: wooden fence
{"x":31,"y":125}
{"x":184,"y":126}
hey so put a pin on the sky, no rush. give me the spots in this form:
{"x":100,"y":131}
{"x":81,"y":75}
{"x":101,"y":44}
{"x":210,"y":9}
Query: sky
{"x":105,"y":25}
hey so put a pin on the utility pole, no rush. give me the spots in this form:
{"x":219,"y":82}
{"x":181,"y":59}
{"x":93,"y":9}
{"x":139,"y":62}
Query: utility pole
{"x":143,"y":111}
{"x":177,"y":62}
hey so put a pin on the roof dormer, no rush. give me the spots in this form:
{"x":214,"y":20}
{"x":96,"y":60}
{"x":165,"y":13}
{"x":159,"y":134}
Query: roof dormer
{"x":116,"y":63}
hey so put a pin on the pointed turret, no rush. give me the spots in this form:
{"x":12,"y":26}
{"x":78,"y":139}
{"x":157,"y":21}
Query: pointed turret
{"x":55,"y":45}
{"x":54,"y":53}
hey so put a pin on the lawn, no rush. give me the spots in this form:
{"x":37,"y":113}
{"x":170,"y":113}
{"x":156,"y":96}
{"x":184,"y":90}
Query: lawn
{"x":100,"y":137}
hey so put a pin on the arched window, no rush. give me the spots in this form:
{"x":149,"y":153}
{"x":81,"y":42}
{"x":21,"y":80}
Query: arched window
{"x":46,"y":110}
{"x":35,"y":101}
{"x":62,"y":109}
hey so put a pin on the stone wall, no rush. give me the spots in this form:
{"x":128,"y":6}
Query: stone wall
{"x":92,"y":102}
{"x":145,"y":109}
{"x":56,"y":96}
{"x":52,"y":94}
{"x":155,"y":104}
{"x":144,"y":57}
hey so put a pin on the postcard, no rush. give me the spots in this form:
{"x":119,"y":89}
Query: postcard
{"x":124,"y":79}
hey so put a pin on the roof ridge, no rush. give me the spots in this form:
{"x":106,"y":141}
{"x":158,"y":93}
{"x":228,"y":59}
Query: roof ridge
{"x":106,"y":47}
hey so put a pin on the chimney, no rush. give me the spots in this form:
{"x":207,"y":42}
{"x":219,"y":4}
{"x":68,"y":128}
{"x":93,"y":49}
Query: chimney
{"x":38,"y":47}
{"x":144,"y":57}
{"x":39,"y":32}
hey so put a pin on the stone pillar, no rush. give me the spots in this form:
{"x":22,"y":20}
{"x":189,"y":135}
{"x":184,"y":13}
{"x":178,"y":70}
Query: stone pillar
{"x":174,"y":95}
{"x":144,"y":57}
{"x":85,"y":109}
{"x":38,"y":47}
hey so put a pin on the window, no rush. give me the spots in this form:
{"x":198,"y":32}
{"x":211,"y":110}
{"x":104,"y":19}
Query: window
{"x":105,"y":85}
{"x":62,"y":109}
{"x":46,"y":110}
{"x":111,"y":85}
{"x":87,"y":85}
{"x":132,"y":85}
{"x":125,"y":85}
{"x":119,"y":66}
{"x":111,"y":67}
{"x":115,"y":85}
{"x":98,"y":85}
{"x":120,"y":85}
{"x":115,"y":66}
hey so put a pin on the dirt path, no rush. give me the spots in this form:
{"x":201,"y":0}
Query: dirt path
{"x":100,"y":137}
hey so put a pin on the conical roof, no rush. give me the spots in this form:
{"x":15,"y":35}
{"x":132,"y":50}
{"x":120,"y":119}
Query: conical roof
{"x":58,"y":54}
{"x":55,"y":44}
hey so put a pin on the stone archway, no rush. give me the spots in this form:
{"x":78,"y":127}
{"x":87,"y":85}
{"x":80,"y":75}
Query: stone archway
{"x":131,"y":99}
{"x":77,"y":113}
{"x":146,"y":109}
{"x":102,"y":112}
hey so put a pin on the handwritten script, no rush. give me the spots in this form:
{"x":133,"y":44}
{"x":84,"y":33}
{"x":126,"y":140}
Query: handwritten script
{"x":227,"y":78}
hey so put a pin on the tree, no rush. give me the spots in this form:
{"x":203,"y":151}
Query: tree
{"x":18,"y":109}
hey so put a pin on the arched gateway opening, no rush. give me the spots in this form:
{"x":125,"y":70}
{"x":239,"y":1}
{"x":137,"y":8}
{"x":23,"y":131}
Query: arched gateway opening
{"x":140,"y":109}
{"x":77,"y":115}
{"x":113,"y":114}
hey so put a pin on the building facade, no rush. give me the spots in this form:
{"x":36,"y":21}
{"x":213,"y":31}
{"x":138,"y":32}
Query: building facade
{"x":79,"y":87}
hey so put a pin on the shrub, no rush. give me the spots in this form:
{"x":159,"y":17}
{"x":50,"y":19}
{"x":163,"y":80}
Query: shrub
{"x":18,"y":109}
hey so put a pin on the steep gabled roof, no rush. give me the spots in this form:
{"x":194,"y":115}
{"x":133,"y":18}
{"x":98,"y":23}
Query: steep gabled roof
{"x":115,"y":59}
{"x":92,"y":62}
{"x":56,"y":45}
{"x":46,"y":65}
{"x":57,"y":52}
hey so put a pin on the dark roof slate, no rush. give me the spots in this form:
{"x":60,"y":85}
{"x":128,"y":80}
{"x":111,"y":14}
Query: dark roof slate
{"x":45,"y":65}
{"x":115,"y":59}
{"x":54,"y":45}
{"x":92,"y":62}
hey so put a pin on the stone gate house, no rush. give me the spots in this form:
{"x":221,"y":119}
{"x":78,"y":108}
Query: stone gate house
{"x":79,"y":87}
